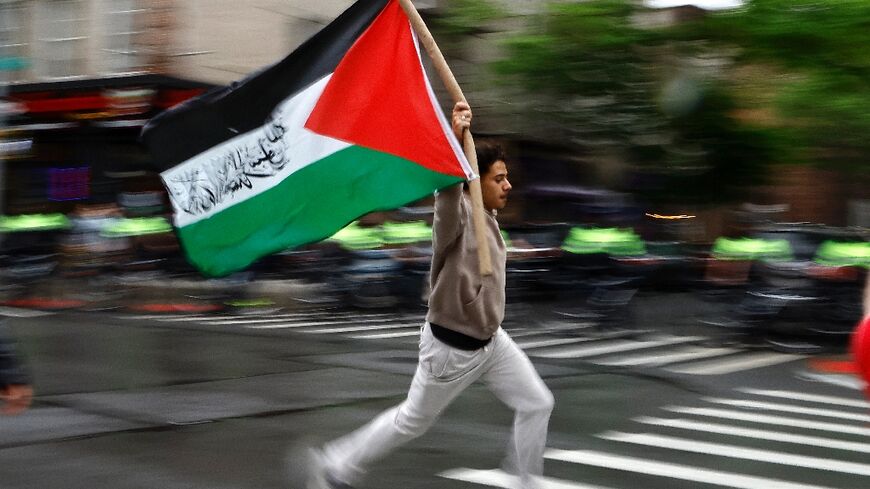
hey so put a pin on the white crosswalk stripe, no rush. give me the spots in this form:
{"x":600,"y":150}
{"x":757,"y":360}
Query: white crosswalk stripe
{"x":354,"y":329}
{"x":773,"y":420}
{"x":659,"y":359}
{"x":801,"y":396}
{"x":852,"y":382}
{"x":673,"y":470}
{"x":266,"y":323}
{"x":614,"y":346}
{"x":751,"y":439}
{"x":16,"y":312}
{"x":733,"y":451}
{"x":652,"y":456}
{"x":382,"y":336}
{"x":499,"y":478}
{"x":619,"y":349}
{"x":769,"y":435}
{"x":337,"y":324}
{"x":528,"y":344}
{"x":788,"y":408}
{"x":731,"y":365}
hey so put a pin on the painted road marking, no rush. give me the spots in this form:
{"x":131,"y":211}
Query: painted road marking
{"x":551,"y":342}
{"x":615,"y":346}
{"x":353,"y":329}
{"x":788,"y":408}
{"x":306,"y":324}
{"x":815,"y":441}
{"x":16,"y":312}
{"x":800,"y":396}
{"x":727,"y":366}
{"x":735,"y":451}
{"x":667,"y":358}
{"x":498,"y":478}
{"x":671,"y":470}
{"x":331,"y":320}
{"x":774,"y":420}
{"x":379,"y":336}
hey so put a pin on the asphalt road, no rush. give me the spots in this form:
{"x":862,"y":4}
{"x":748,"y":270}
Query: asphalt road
{"x":214,"y":401}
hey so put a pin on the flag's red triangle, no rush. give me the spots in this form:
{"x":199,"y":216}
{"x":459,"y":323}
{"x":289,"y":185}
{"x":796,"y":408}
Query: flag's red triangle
{"x":377,"y":98}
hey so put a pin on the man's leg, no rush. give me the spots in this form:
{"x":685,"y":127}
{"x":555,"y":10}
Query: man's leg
{"x":441,"y":375}
{"x":514,"y":380}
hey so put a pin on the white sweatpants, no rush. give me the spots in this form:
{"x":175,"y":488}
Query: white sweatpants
{"x":442,"y":373}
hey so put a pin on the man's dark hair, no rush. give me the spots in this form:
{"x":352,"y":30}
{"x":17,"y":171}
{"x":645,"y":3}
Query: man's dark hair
{"x":488,"y":152}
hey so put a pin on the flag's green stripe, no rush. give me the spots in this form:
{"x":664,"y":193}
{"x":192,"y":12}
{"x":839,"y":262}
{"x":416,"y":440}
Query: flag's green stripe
{"x":309,"y":205}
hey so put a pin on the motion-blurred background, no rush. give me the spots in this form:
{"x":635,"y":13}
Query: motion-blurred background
{"x":718,"y":147}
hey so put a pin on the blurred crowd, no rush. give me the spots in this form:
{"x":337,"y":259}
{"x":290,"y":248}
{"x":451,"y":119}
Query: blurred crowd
{"x":780,"y":279}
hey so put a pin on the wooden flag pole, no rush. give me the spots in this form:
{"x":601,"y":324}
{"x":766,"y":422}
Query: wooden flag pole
{"x":440,"y":65}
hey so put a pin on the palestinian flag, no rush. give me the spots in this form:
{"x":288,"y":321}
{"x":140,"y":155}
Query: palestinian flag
{"x":345,"y":125}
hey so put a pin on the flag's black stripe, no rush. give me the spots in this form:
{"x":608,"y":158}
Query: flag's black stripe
{"x":201,"y":123}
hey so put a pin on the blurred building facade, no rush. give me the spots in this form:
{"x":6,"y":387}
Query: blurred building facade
{"x":213,"y":41}
{"x":44,"y":40}
{"x":78,"y":78}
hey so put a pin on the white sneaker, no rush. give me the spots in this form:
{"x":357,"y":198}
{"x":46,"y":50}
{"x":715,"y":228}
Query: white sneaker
{"x":319,"y":476}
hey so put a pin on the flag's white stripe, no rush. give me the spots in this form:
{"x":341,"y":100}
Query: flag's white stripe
{"x":445,"y":124}
{"x":379,"y":336}
{"x":800,"y":396}
{"x":673,"y":471}
{"x":734,"y":451}
{"x":312,"y":322}
{"x":773,"y":420}
{"x":303,"y":147}
{"x":614,"y":347}
{"x":499,"y":478}
{"x":659,"y":359}
{"x":354,"y":329}
{"x":771,"y":406}
{"x":744,"y":362}
{"x":816,"y":441}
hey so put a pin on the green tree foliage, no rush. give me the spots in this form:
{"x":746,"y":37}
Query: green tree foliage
{"x":819,"y":48}
{"x":584,"y":66}
{"x":702,"y":106}
{"x":617,"y":85}
{"x":464,"y":17}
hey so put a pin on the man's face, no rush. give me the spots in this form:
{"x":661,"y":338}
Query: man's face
{"x":495,"y":186}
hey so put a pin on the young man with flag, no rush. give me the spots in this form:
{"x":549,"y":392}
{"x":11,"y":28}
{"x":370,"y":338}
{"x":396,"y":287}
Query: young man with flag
{"x":461,"y":342}
{"x":345,"y":125}
{"x":295,"y":152}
